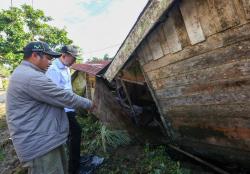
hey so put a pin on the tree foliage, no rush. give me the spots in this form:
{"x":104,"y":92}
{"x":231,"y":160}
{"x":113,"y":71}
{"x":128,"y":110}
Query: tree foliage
{"x":96,"y":59}
{"x":106,"y":57}
{"x":18,"y":26}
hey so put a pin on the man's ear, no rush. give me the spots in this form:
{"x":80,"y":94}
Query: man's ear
{"x":34,"y":54}
{"x":63,"y":55}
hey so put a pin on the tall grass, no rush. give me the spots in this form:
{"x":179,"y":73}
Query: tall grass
{"x":96,"y":136}
{"x":113,"y":138}
{"x":129,"y":158}
{"x":2,"y":154}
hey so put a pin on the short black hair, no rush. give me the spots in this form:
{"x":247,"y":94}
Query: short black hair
{"x":27,"y":55}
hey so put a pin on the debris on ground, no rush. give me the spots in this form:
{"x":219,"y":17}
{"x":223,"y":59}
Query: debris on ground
{"x":89,"y":163}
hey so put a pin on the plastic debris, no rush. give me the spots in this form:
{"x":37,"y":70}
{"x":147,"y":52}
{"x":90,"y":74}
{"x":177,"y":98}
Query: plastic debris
{"x":89,"y":163}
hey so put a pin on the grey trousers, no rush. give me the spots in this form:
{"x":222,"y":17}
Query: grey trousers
{"x":54,"y":162}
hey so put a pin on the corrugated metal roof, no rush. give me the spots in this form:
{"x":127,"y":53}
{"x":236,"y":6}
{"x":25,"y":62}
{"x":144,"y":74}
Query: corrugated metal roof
{"x":92,"y":68}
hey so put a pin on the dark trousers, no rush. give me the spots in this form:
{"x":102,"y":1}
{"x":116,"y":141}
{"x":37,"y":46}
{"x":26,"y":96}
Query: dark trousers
{"x":74,"y":142}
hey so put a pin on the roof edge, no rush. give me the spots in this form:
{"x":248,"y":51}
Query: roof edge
{"x":145,"y":22}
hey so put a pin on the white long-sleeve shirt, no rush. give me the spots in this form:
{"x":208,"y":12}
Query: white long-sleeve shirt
{"x":60,"y":75}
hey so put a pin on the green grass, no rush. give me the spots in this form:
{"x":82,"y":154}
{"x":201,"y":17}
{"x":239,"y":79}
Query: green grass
{"x":91,"y":134}
{"x":157,"y":161}
{"x":3,"y":124}
{"x":113,"y":138}
{"x":2,"y":154}
{"x":141,"y":159}
{"x":98,"y":138}
{"x":122,"y":157}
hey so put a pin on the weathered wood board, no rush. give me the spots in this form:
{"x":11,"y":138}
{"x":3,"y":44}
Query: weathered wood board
{"x":180,"y":26}
{"x":240,"y":11}
{"x":226,"y":12}
{"x":229,"y":54}
{"x":146,"y":52}
{"x":209,"y":20}
{"x":162,"y":40}
{"x":246,"y":4}
{"x":191,"y":20}
{"x":214,"y":42}
{"x":171,"y":35}
{"x":154,"y":45}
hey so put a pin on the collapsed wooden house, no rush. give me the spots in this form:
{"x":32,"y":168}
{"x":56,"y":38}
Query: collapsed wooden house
{"x":193,"y":56}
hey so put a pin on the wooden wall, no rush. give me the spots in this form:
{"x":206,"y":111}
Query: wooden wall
{"x":198,"y":64}
{"x":79,"y":83}
{"x":84,"y":84}
{"x":90,"y":86}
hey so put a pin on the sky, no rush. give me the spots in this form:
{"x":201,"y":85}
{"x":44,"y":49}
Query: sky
{"x":97,"y":26}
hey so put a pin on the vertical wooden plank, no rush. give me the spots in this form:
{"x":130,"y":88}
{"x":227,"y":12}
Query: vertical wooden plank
{"x":191,"y":20}
{"x":214,"y":14}
{"x":171,"y":35}
{"x":226,"y":12}
{"x":180,"y":26}
{"x":210,"y":23}
{"x":88,"y":87}
{"x":155,"y":46}
{"x":246,"y":5}
{"x":140,"y":55}
{"x":240,"y":11}
{"x":141,"y":61}
{"x":138,"y":58}
{"x":146,"y":52}
{"x":162,"y":39}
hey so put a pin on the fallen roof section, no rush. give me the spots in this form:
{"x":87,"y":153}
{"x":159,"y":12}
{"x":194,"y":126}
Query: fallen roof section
{"x":145,"y":22}
{"x":92,"y":68}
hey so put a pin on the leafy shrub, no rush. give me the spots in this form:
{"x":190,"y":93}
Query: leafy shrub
{"x":5,"y":84}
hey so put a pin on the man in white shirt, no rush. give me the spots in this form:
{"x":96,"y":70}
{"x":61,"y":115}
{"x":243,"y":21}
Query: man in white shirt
{"x":59,"y":73}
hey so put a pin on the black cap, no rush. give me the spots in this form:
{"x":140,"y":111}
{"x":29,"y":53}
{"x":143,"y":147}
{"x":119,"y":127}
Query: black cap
{"x":39,"y":46}
{"x":70,"y":49}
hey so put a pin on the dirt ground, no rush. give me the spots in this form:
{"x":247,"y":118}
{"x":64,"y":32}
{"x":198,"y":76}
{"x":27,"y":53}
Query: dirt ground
{"x":9,"y":163}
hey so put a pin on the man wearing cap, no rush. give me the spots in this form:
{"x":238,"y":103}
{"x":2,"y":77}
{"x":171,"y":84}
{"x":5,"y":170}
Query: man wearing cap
{"x":60,"y":74}
{"x":36,"y":119}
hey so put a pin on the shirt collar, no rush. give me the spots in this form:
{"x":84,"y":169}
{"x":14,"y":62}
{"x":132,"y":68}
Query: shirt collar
{"x":59,"y":64}
{"x":27,"y":63}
